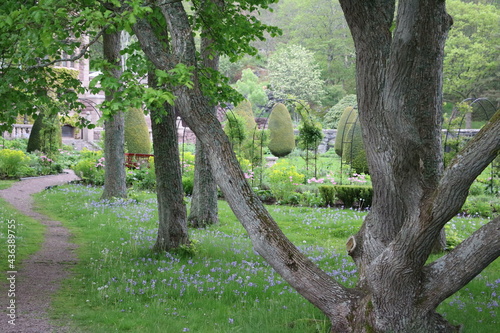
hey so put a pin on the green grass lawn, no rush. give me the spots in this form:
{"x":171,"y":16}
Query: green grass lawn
{"x":22,"y":233}
{"x":120,"y":286}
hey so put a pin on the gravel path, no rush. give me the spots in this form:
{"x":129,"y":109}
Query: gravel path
{"x":40,"y":275}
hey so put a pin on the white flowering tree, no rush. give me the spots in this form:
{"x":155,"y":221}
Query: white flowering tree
{"x":294,"y":72}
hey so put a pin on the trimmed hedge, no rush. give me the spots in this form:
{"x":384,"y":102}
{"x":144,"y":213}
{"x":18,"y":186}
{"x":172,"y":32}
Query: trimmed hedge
{"x":348,"y":194}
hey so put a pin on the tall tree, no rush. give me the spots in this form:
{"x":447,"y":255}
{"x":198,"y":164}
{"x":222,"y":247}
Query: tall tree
{"x":204,"y":209}
{"x":172,"y":215}
{"x":399,"y":77}
{"x":114,"y":139}
{"x":472,"y":63}
{"x":320,"y":26}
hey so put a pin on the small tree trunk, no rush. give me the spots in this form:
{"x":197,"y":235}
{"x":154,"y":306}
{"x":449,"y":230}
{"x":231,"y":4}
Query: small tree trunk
{"x":114,"y":140}
{"x":172,"y":215}
{"x":204,"y":210}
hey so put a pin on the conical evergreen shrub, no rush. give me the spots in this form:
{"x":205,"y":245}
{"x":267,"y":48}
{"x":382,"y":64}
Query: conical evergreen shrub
{"x":137,"y":140}
{"x":282,"y":138}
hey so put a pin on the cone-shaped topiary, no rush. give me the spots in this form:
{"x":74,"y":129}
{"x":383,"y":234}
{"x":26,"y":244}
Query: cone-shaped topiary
{"x":51,"y":135}
{"x":349,"y":141}
{"x":244,"y":109}
{"x":348,"y":117}
{"x":282,"y":139}
{"x":137,"y":138}
{"x":354,"y":151}
{"x":34,"y":139}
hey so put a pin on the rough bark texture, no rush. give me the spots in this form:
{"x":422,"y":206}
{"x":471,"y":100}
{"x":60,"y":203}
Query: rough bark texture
{"x":114,"y":139}
{"x":204,"y":209}
{"x":172,"y":215}
{"x":399,"y":78}
{"x":399,"y":92}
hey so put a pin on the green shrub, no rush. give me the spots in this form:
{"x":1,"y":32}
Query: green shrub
{"x":354,"y":152}
{"x":332,"y":117}
{"x":188,"y":184}
{"x":244,"y":110}
{"x":327,"y":193}
{"x":13,"y":163}
{"x":235,"y":129}
{"x":284,"y":180}
{"x":90,"y":171}
{"x":348,"y":116}
{"x":349,"y":141}
{"x":34,"y":141}
{"x":351,"y":194}
{"x":137,"y":140}
{"x":144,"y":178}
{"x":282,"y":139}
{"x":250,"y":87}
{"x":481,"y":205}
{"x":51,"y":136}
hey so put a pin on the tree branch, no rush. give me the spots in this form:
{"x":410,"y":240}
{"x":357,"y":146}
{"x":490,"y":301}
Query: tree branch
{"x":151,"y":45}
{"x":464,"y":169}
{"x":77,"y":56}
{"x":451,"y":272}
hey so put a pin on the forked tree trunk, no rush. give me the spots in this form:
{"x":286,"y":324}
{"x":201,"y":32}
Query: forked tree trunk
{"x":114,"y":139}
{"x":399,"y":84}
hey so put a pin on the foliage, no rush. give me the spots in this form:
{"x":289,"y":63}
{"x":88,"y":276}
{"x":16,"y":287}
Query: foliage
{"x":244,"y":110}
{"x":481,"y":206}
{"x":471,"y":54}
{"x":51,"y":31}
{"x":34,"y":141}
{"x":284,"y":179}
{"x":320,"y":26}
{"x":43,"y":165}
{"x":354,"y":150}
{"x":327,"y":193}
{"x":143,"y":177}
{"x":310,"y":133}
{"x":351,"y":194}
{"x":332,"y":117}
{"x":235,"y":129}
{"x":91,"y":169}
{"x":250,"y":87}
{"x":137,"y":140}
{"x":349,"y":115}
{"x":282,"y":138}
{"x":50,"y":135}
{"x":46,"y":135}
{"x":293,"y":71}
{"x":13,"y":163}
{"x":349,"y":141}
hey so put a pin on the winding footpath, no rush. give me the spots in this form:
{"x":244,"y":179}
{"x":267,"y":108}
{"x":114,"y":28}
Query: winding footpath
{"x":40,"y":275}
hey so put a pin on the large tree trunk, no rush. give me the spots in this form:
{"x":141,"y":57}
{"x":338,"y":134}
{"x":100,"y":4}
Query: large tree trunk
{"x":114,"y":139}
{"x":204,"y":209}
{"x":172,"y":215}
{"x":399,"y":84}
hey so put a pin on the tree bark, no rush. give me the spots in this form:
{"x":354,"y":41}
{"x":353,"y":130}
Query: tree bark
{"x":172,"y":215}
{"x":114,"y":140}
{"x":204,"y":210}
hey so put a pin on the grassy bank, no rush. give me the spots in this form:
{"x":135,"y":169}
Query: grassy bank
{"x":120,"y":286}
{"x":19,"y":230}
